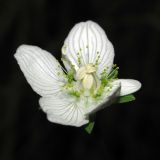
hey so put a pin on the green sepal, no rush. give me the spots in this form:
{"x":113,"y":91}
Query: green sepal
{"x":125,"y":99}
{"x":89,"y":127}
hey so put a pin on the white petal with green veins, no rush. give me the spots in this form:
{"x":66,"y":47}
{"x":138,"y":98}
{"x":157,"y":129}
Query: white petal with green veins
{"x":89,"y":40}
{"x":41,"y":69}
{"x":129,"y":86}
{"x":63,"y":110}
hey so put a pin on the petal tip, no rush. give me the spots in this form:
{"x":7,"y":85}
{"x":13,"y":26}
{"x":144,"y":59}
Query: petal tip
{"x":138,"y":84}
{"x":20,"y":49}
{"x":129,"y":86}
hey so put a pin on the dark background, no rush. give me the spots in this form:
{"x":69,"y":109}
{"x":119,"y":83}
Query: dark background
{"x":122,"y":132}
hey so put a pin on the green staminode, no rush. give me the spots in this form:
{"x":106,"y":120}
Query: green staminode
{"x":114,"y":73}
{"x":106,"y":79}
{"x":75,"y":93}
{"x":70,"y":76}
{"x":70,"y":79}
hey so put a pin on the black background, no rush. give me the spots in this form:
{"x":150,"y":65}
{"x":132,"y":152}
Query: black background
{"x":122,"y":132}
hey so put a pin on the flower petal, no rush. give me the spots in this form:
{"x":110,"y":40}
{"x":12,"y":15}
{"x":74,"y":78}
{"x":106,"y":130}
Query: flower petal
{"x":107,"y":99}
{"x":63,"y":110}
{"x":88,"y":43}
{"x":41,"y":70}
{"x":129,"y":86}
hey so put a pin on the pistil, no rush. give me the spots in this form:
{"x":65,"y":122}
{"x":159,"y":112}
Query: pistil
{"x":86,"y":74}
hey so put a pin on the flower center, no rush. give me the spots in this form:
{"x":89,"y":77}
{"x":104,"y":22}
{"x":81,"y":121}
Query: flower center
{"x":86,"y":74}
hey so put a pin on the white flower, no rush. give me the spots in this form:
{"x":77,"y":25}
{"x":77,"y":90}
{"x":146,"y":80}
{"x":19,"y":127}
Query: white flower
{"x":89,"y":81}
